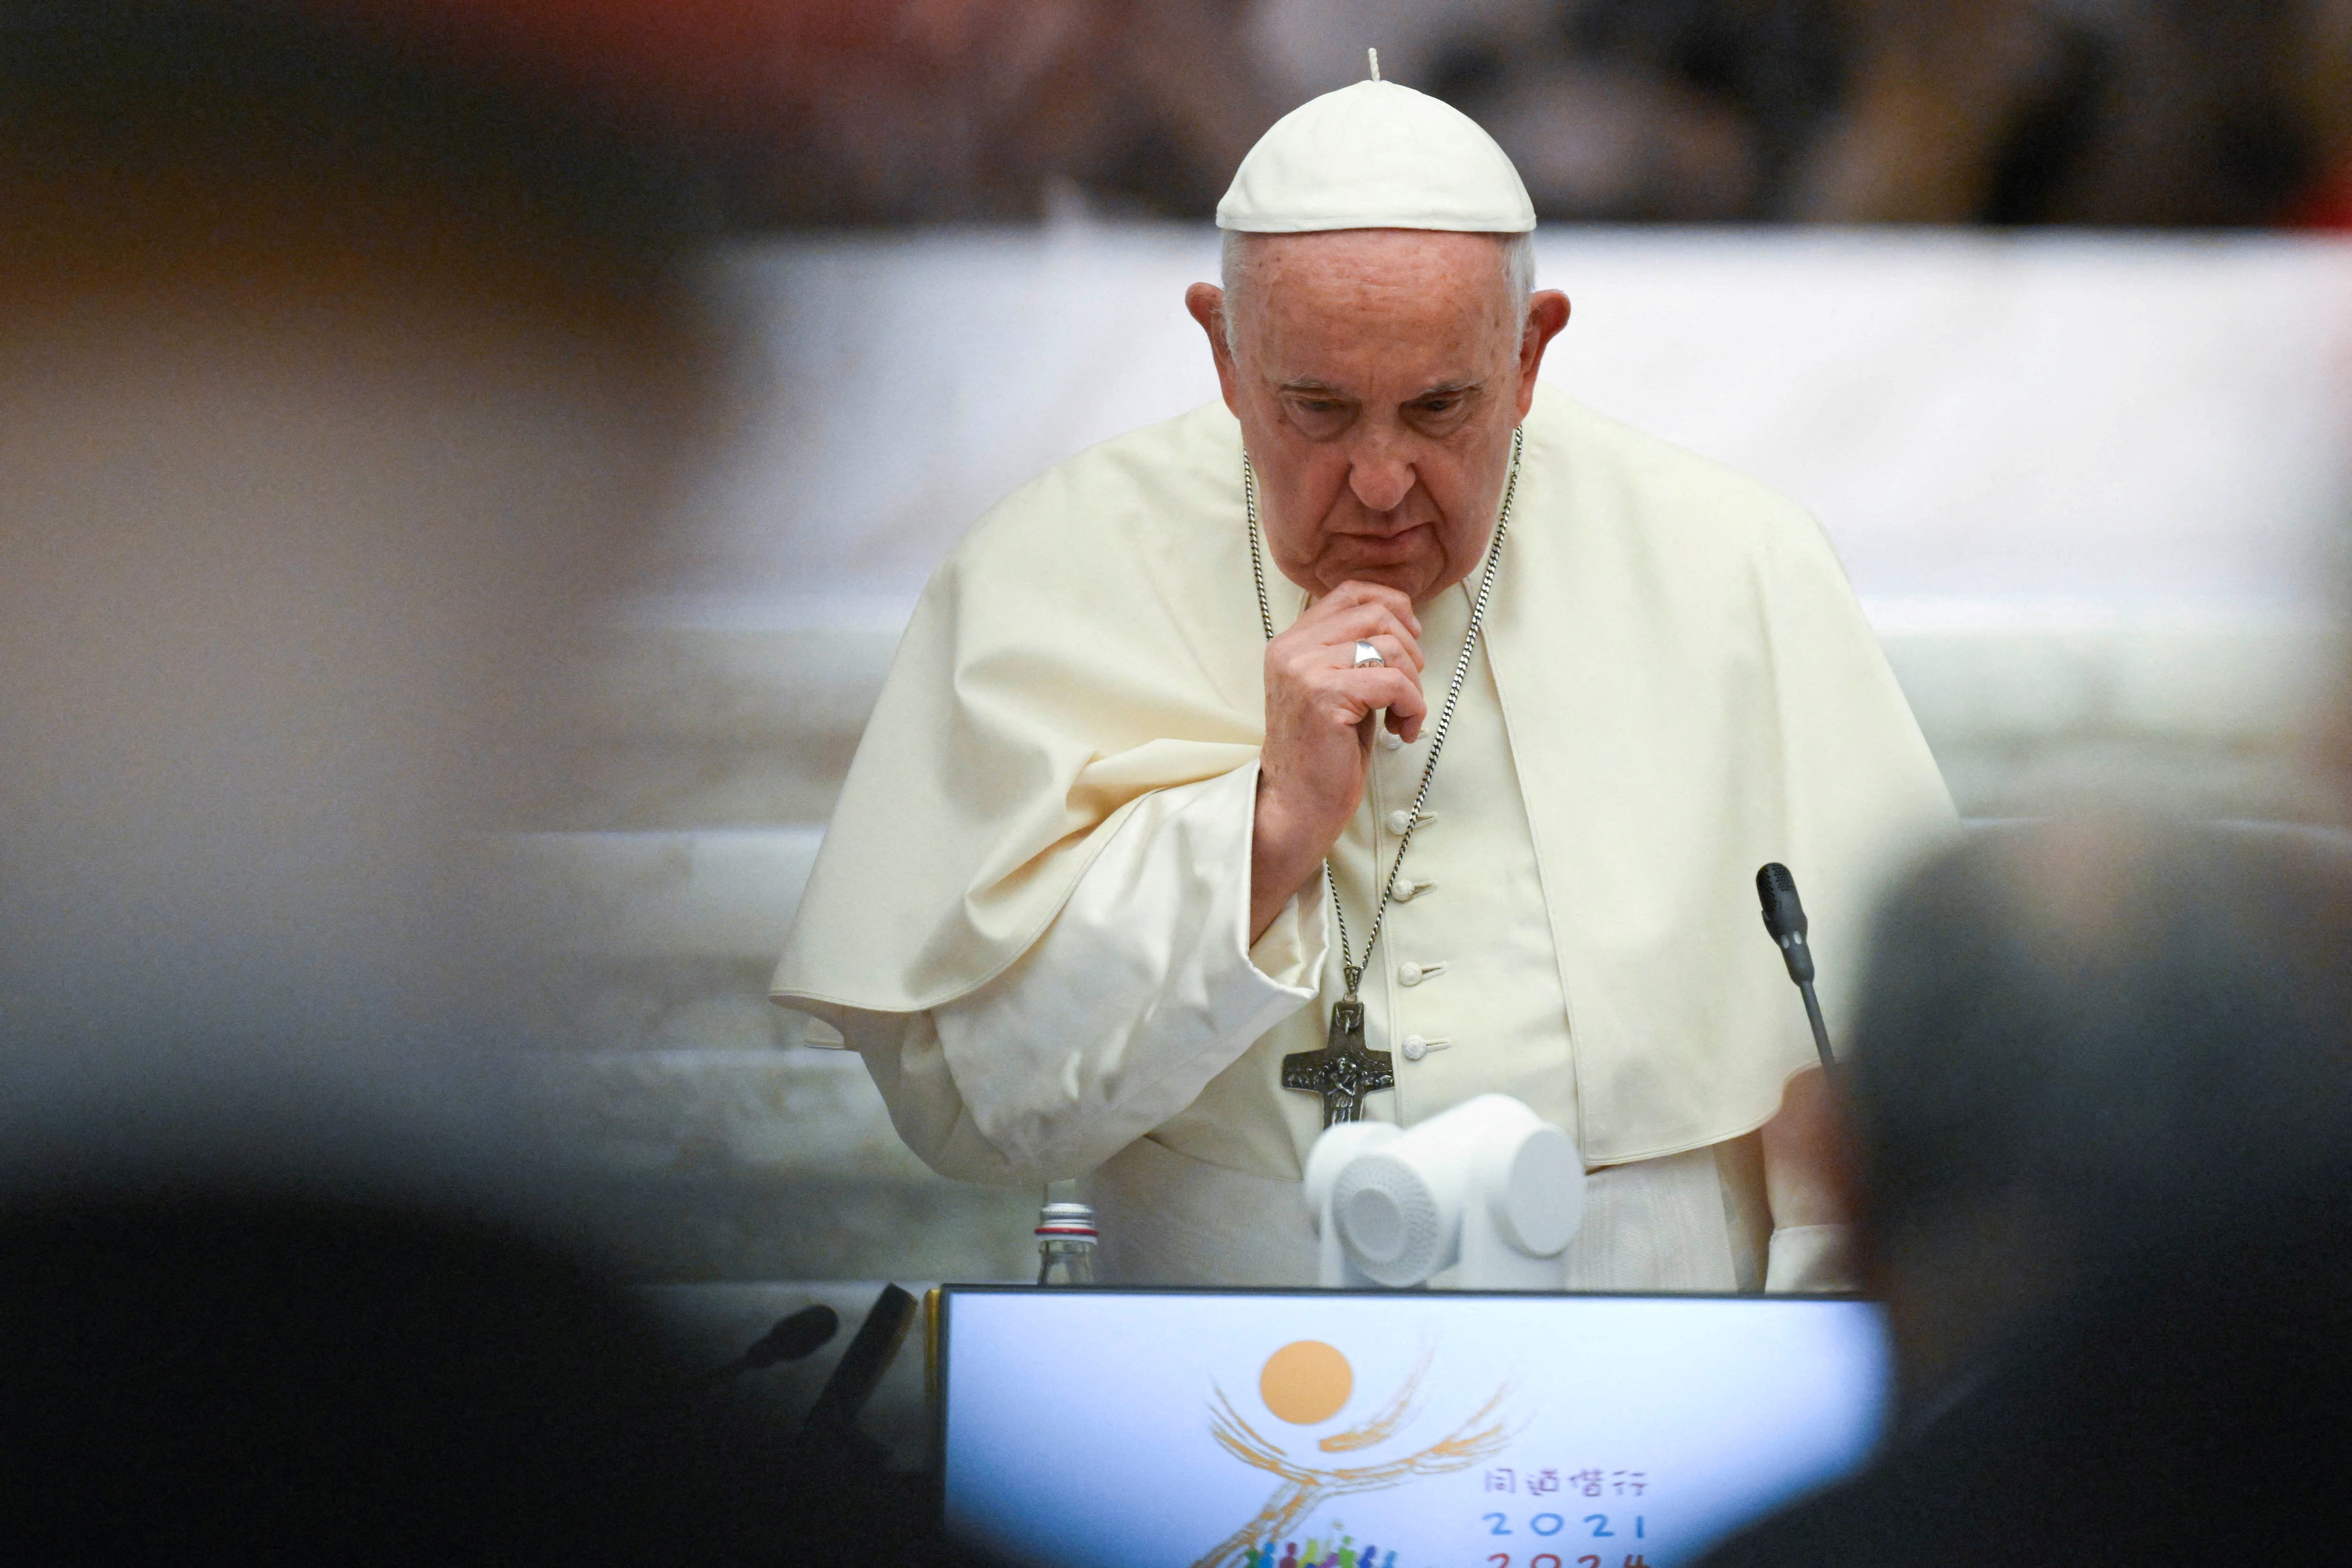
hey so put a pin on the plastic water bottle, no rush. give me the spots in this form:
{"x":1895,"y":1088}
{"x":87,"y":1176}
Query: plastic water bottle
{"x":1066,"y":1245}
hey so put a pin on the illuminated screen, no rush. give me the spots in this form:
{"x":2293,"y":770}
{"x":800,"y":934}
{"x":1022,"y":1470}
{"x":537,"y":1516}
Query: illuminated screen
{"x":1178,"y":1429}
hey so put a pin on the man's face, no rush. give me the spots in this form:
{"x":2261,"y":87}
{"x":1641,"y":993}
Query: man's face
{"x":1378,"y":376}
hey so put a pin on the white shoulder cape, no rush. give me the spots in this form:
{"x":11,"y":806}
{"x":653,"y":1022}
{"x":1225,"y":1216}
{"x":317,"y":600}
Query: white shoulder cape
{"x":1689,"y":685}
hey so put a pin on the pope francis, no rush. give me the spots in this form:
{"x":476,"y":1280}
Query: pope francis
{"x":1393,"y":731}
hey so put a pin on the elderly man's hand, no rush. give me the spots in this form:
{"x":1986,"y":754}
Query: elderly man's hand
{"x":1320,"y":711}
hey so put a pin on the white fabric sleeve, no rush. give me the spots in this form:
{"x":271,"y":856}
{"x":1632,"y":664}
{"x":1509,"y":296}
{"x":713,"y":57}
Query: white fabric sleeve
{"x":1808,"y":1258}
{"x":1144,"y":988}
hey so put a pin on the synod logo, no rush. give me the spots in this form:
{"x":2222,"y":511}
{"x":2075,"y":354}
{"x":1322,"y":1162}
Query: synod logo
{"x":1307,"y":1384}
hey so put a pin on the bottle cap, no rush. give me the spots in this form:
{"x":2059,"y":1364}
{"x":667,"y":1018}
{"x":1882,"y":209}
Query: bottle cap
{"x":1071,"y":1221}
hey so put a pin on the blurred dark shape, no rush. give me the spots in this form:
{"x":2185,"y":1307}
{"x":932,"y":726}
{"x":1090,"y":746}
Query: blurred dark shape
{"x":963,"y":110}
{"x":2322,"y":100}
{"x":2169,"y":113}
{"x":221,"y":130}
{"x":2328,"y":205}
{"x":255,"y":1377}
{"x":2077,"y":1040}
{"x":335,"y":387}
{"x":1777,"y":67}
{"x":795,"y":1335}
{"x":830,"y":1428}
{"x":2154,"y":113}
{"x":2163,"y":113}
{"x":2193,"y":1416}
{"x":2100,"y":1100}
{"x":716,"y":78}
{"x":341,"y":376}
{"x":868,"y":112}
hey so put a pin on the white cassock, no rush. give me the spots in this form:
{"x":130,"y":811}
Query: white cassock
{"x":1031,"y":912}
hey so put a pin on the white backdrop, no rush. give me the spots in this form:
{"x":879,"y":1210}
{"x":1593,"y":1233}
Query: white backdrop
{"x":2056,"y":425}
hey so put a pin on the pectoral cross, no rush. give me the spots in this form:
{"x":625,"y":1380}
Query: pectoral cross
{"x":1343,"y":1071}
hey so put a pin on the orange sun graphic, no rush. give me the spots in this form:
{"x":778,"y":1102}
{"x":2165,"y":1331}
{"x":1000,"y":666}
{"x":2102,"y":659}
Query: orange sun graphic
{"x":1306,"y":1382}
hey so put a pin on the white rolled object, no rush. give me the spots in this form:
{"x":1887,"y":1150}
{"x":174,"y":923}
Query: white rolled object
{"x":1489,"y":1186}
{"x":1332,"y":1152}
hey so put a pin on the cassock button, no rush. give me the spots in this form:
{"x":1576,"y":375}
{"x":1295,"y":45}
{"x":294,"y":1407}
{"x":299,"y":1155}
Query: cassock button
{"x":1415,"y":1047}
{"x":1391,"y":739}
{"x":1399,"y":820}
{"x":1407,"y":974}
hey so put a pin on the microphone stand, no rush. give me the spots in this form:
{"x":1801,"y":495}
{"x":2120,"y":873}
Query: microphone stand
{"x":1821,"y":1030}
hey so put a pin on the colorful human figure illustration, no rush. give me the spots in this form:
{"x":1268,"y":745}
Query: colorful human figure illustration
{"x":1290,"y":1558}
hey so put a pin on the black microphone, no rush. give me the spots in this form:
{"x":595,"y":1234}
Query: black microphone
{"x":1784,"y":917}
{"x":802,"y":1333}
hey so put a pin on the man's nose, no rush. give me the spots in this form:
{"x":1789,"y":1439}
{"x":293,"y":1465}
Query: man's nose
{"x":1382,"y":479}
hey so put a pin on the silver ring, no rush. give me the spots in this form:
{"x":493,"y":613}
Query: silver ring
{"x":1367,"y":653}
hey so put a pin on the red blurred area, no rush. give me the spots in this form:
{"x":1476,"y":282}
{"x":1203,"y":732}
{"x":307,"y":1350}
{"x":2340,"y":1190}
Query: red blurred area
{"x":713,"y":65}
{"x":2329,"y":205}
{"x":723,"y":65}
{"x":877,"y":111}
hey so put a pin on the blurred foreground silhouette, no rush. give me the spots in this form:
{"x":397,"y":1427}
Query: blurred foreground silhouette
{"x":2100,"y":1098}
{"x":339,"y":375}
{"x":333,"y":386}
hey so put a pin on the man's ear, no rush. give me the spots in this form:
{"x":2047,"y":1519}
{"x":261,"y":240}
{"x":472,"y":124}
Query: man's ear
{"x":1206,"y":302}
{"x":1547,"y":314}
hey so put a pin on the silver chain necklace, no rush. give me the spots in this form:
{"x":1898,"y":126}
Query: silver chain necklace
{"x":1352,"y":967}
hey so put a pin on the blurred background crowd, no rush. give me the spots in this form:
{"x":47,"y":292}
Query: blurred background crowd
{"x":2143,"y":113}
{"x":2112,"y":113}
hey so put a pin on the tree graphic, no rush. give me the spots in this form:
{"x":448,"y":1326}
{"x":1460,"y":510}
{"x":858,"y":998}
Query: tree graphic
{"x":1485,"y":1432}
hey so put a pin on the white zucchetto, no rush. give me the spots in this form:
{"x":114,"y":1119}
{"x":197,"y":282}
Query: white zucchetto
{"x":1376,"y":155}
